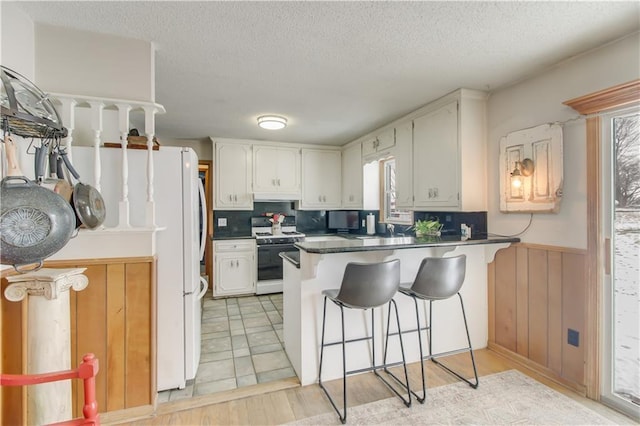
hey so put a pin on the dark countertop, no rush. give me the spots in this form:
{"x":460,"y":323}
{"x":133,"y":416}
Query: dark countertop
{"x":353,"y":244}
{"x":246,"y":237}
{"x":292,"y":256}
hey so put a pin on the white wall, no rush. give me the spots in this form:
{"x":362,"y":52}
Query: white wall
{"x":539,"y":100}
{"x":17,"y":41}
{"x":202,"y":147}
{"x":87,"y":63}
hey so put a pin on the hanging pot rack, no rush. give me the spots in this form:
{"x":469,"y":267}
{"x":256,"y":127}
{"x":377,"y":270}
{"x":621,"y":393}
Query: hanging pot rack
{"x":26,"y":110}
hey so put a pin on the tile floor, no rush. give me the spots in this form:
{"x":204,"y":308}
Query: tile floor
{"x":241,"y":346}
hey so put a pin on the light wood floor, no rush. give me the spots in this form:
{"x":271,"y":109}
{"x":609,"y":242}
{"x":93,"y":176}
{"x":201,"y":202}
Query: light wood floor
{"x":298,"y":402}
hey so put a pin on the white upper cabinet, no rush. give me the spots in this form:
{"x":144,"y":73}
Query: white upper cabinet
{"x":436,"y":161}
{"x":383,"y":142}
{"x":352,"y":177}
{"x":321,"y":179}
{"x":276,"y":173}
{"x":233,"y":176}
{"x":404,"y":165}
{"x":449,"y":153}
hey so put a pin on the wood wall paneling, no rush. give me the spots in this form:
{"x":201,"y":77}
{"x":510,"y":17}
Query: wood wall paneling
{"x":537,"y":293}
{"x":12,"y":356}
{"x":138,"y":335}
{"x":573,"y":315}
{"x":505,"y":298}
{"x":554,"y":311}
{"x":114,"y":317}
{"x":91,"y":327}
{"x":116,"y":351}
{"x":522,"y":302}
{"x":538,"y":302}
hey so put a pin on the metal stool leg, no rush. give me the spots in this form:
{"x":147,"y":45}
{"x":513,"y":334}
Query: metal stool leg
{"x":405,"y":385}
{"x":470,"y":349}
{"x":343,"y":417}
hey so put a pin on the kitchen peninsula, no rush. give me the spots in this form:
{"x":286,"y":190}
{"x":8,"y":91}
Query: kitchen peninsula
{"x":321,"y":265}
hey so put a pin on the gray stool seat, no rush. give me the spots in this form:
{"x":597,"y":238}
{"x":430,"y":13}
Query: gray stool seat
{"x":438,"y":278}
{"x":364,"y":286}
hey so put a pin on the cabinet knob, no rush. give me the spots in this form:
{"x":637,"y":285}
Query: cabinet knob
{"x":278,"y":182}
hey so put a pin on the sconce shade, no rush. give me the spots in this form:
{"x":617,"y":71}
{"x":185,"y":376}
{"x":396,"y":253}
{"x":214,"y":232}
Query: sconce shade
{"x":523,"y":169}
{"x":272,"y":122}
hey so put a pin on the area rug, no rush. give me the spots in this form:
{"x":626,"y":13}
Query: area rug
{"x":505,"y":398}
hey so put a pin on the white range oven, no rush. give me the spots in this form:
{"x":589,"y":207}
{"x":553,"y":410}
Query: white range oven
{"x":269,"y":246}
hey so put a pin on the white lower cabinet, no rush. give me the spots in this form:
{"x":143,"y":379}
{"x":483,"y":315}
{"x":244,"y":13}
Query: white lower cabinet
{"x":234,"y":267}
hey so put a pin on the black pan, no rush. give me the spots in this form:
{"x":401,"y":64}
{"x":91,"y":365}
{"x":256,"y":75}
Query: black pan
{"x":34,"y":221}
{"x":87,"y":200}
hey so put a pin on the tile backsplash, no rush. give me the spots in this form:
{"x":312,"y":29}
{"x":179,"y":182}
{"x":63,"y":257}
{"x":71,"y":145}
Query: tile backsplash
{"x":452,"y":221}
{"x":238,"y":223}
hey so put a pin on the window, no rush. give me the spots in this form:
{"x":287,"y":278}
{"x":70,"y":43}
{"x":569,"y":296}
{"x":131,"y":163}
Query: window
{"x":390,"y":213}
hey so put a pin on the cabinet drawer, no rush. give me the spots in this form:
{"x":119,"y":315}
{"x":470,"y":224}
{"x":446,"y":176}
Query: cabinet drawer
{"x":232,"y":246}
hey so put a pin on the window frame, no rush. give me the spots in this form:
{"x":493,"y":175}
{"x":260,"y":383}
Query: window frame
{"x":386,"y":193}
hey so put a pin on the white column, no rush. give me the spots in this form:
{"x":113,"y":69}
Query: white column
{"x":96,"y":125}
{"x":68,"y":117}
{"x":123,"y":121}
{"x":49,"y":337}
{"x":149,"y":129}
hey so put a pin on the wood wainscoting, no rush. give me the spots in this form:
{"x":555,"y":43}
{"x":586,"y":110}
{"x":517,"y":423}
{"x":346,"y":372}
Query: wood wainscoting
{"x":114,"y":317}
{"x":536,"y":295}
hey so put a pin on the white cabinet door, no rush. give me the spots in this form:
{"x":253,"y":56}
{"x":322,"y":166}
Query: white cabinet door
{"x":321,"y":179}
{"x":404,"y":165}
{"x":233,"y":177}
{"x":265,"y":168}
{"x":386,"y":140}
{"x":436,"y":158}
{"x":276,"y":171}
{"x":235,"y":268}
{"x":383,"y":142}
{"x":352,"y":177}
{"x":288,"y":178}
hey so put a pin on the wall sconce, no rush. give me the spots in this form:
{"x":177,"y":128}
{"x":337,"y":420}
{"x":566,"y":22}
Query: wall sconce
{"x":523,"y":168}
{"x":272,"y":122}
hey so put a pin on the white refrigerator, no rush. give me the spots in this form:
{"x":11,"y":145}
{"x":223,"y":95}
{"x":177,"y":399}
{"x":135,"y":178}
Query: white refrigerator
{"x":179,"y":245}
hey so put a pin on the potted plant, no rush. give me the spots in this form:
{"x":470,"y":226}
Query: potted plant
{"x":430,"y":227}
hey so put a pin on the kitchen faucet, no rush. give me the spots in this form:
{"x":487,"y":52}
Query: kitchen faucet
{"x":391,"y":227}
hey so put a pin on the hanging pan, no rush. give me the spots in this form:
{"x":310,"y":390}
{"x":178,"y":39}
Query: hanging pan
{"x":34,"y":221}
{"x":87,"y":200}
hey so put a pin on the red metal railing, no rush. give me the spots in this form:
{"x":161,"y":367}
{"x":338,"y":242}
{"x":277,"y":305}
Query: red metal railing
{"x":87,"y":371}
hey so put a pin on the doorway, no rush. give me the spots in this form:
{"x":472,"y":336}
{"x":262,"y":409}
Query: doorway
{"x":205,"y":173}
{"x":620,"y":180}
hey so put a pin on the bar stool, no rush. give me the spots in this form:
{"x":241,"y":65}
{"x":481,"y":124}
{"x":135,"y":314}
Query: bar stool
{"x":438,"y":278}
{"x":364,"y":286}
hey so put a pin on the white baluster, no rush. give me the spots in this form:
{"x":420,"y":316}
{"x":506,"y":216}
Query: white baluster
{"x":68,"y":117}
{"x":149,"y":129}
{"x":123,"y":121}
{"x":96,"y":125}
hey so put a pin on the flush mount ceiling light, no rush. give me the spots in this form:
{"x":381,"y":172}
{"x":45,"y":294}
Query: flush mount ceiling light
{"x":272,"y":122}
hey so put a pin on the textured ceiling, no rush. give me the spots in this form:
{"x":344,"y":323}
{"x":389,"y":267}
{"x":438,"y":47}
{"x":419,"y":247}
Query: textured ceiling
{"x":337,"y":70}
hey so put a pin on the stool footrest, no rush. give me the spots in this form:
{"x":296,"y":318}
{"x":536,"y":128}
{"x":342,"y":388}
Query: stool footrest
{"x":374,"y":368}
{"x":359,"y":339}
